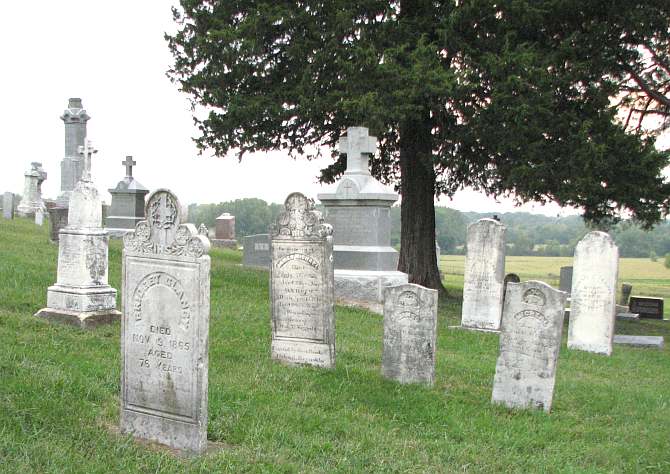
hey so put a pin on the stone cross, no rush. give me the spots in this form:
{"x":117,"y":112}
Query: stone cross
{"x":87,"y":150}
{"x":357,"y":145}
{"x":129,"y":163}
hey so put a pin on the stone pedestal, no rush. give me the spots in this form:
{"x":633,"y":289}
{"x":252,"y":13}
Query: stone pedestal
{"x":72,"y":166}
{"x":224,"y":232}
{"x":127,"y":208}
{"x":31,"y":200}
{"x":359,"y":209}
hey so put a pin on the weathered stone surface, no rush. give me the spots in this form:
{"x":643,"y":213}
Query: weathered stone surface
{"x":484,"y":273}
{"x":530,"y":341}
{"x":127,"y":208}
{"x":57,"y":221}
{"x":39,"y":216}
{"x":31,"y":200}
{"x":627,"y":317}
{"x":165,"y":328}
{"x":72,"y":166}
{"x":410,"y":334}
{"x":8,"y":205}
{"x":256,"y":253}
{"x":655,"y":342}
{"x":592,"y":306}
{"x":647,"y":306}
{"x":565,"y":279}
{"x":301,"y":286}
{"x":81,"y":295}
{"x":626,"y":289}
{"x":203,"y":230}
{"x":225,"y":227}
{"x":509,"y":278}
{"x":365,"y":289}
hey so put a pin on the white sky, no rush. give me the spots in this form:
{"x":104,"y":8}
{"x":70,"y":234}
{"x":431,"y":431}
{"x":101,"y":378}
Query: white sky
{"x":114,"y":57}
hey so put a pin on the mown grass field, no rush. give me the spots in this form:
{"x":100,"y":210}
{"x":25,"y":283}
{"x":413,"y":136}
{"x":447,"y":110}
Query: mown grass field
{"x":59,"y":393}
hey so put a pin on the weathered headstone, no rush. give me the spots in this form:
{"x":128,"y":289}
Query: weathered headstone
{"x":39,"y":216}
{"x":484,"y":272}
{"x":72,"y":166}
{"x":626,"y":289}
{"x":647,"y":306}
{"x":592,"y":307}
{"x":127,"y":207}
{"x":57,"y":221}
{"x":359,"y":208}
{"x":203,"y":230}
{"x":530,"y":341}
{"x":31,"y":200}
{"x":410,"y":334}
{"x":165,"y":328}
{"x":565,"y":279}
{"x":256,"y":251}
{"x":509,"y":278}
{"x":655,"y":342}
{"x":8,"y":205}
{"x":81,"y":295}
{"x":224,"y":232}
{"x":302,"y":286}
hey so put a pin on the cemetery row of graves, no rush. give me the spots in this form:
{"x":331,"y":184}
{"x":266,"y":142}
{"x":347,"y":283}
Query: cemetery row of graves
{"x":315,"y":260}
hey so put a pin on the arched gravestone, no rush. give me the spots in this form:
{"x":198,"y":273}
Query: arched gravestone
{"x":509,"y":278}
{"x":302,"y":285}
{"x":165,"y":328}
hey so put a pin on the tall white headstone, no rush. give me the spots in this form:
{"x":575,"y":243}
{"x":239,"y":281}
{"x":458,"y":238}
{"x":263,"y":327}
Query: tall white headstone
{"x":593,"y":304}
{"x":484,"y":275}
{"x":165,"y":328}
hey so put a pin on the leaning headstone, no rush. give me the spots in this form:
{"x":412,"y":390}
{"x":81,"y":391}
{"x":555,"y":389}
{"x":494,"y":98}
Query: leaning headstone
{"x":256,"y":251}
{"x":484,"y":273}
{"x":302,"y":286}
{"x":410,"y":334}
{"x":646,"y":306}
{"x":8,"y":205}
{"x":39,"y":216}
{"x":81,"y":295}
{"x":74,"y":118}
{"x":224,"y":232}
{"x":127,"y":208}
{"x":592,"y":308}
{"x":31,"y":200}
{"x":565,"y":279}
{"x":165,"y":328}
{"x":530,"y":341}
{"x":626,"y":289}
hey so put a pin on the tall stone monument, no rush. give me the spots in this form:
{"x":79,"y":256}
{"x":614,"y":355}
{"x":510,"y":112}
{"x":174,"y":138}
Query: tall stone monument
{"x":72,"y":166}
{"x":593,"y":304}
{"x":81,"y":295}
{"x":301,"y":285}
{"x":530,"y":340}
{"x":410,"y":334}
{"x":359,"y":208}
{"x":165,"y":328}
{"x":31,"y":200}
{"x":224,"y":232}
{"x":127,"y":208}
{"x":483,"y":285}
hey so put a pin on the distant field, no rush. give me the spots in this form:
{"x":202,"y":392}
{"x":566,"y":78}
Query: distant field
{"x":648,"y":278}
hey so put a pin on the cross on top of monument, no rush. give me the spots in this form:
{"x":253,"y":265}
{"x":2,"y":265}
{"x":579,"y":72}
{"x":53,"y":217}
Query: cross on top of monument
{"x":129,"y":163}
{"x":357,"y":145}
{"x":87,"y":150}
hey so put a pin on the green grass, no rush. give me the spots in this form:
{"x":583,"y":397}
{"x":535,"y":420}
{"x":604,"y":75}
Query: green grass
{"x":59,"y":393}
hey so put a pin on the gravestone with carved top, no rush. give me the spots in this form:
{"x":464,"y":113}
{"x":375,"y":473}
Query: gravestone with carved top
{"x":165,"y":328}
{"x":530,"y":340}
{"x":31,"y":200}
{"x":359,"y":208}
{"x":81,"y":295}
{"x":301,"y":285}
{"x":127,"y":207}
{"x":410,"y":334}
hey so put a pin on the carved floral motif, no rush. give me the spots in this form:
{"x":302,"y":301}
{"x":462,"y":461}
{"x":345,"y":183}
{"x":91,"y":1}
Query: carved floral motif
{"x":300,"y":219}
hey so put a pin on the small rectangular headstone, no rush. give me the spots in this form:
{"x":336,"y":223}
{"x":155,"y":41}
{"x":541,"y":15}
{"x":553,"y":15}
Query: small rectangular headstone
{"x":8,"y":205}
{"x":165,"y":328}
{"x":39,"y":216}
{"x":647,"y":307}
{"x":256,"y":252}
{"x":302,"y":290}
{"x":530,"y":341}
{"x":410,"y":334}
{"x":655,"y":342}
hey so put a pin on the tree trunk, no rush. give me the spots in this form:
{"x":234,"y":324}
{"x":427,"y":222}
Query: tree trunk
{"x":417,"y":187}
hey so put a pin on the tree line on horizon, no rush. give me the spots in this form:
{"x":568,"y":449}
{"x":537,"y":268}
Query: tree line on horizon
{"x":527,"y":234}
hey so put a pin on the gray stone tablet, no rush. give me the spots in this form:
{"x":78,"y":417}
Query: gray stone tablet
{"x":565,"y":279}
{"x":410,"y":334}
{"x":530,"y":340}
{"x":256,"y":251}
{"x":647,"y":306}
{"x":165,"y":328}
{"x":8,"y":205}
{"x":302,"y":285}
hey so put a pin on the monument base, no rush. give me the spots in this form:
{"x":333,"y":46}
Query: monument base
{"x":365,"y":289}
{"x":83,"y":320}
{"x":224,"y":243}
{"x":82,"y":307}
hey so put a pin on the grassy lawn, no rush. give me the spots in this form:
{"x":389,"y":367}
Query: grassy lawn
{"x":59,"y":390}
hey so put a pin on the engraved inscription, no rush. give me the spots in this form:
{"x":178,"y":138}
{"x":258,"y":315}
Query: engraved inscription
{"x":160,"y":278}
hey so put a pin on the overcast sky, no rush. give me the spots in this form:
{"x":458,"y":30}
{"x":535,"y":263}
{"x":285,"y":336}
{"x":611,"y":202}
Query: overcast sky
{"x":114,"y":57}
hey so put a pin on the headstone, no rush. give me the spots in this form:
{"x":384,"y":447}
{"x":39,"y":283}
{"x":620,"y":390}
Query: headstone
{"x":655,"y":342}
{"x":72,"y":166}
{"x":31,"y":200}
{"x":646,"y":306}
{"x":626,"y":289}
{"x":225,"y":232}
{"x":81,"y":295}
{"x":484,"y":273}
{"x":203,"y":230}
{"x":592,"y":307}
{"x":127,"y":207}
{"x":509,"y":278}
{"x":165,"y":328}
{"x":256,"y":251}
{"x":565,"y":279}
{"x":359,"y":208}
{"x":530,"y":341}
{"x":627,"y":317}
{"x":39,"y":216}
{"x":301,"y":285}
{"x":57,"y":221}
{"x":410,"y":334}
{"x":8,"y":205}
{"x":438,"y":253}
